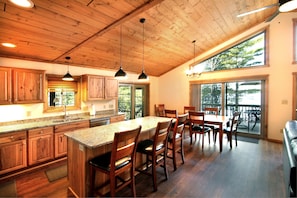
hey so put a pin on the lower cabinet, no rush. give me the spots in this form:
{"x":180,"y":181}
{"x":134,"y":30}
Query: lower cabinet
{"x":61,"y":139}
{"x":60,"y":144}
{"x":117,"y":118}
{"x":13,"y":151}
{"x":40,"y":145}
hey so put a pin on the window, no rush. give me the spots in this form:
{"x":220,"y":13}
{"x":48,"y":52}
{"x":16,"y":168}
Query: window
{"x":62,"y":93}
{"x":249,"y":53}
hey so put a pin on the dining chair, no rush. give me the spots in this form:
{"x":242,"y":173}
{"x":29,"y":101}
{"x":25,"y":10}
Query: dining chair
{"x":231,"y":129}
{"x":187,"y":109}
{"x":120,"y":159}
{"x":159,"y":110}
{"x":170,"y":113}
{"x":175,"y":139}
{"x":155,"y":151}
{"x":197,"y":126}
{"x":215,"y":128}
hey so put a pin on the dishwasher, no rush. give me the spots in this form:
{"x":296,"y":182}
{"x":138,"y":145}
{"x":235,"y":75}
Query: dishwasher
{"x":99,"y":122}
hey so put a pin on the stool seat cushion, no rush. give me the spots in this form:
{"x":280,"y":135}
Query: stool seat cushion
{"x":147,"y":146}
{"x":103,"y":161}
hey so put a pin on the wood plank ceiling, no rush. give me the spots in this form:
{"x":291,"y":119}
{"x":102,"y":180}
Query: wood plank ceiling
{"x":89,"y":31}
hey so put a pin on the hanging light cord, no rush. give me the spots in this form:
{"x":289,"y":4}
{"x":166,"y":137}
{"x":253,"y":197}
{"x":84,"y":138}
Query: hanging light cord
{"x":194,"y":50}
{"x":121,"y":48}
{"x":143,"y":45}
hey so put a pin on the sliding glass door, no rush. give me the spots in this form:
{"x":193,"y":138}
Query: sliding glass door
{"x":247,"y":96}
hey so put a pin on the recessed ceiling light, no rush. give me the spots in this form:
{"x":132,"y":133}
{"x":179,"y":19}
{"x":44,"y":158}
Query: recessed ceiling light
{"x":11,"y":45}
{"x":23,"y":3}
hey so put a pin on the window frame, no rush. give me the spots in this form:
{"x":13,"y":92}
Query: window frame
{"x":69,"y":84}
{"x":250,"y":36}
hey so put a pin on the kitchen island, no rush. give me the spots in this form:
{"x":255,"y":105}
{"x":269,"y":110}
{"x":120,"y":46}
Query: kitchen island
{"x":85,"y":144}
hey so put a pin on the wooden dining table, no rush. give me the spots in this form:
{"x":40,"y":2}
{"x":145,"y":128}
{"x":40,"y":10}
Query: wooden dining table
{"x":219,"y":121}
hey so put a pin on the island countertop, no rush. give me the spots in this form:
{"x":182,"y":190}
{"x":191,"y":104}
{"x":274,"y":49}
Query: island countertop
{"x":102,"y":135}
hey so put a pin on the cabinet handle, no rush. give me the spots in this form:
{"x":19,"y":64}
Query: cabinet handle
{"x":41,"y":132}
{"x":61,"y":139}
{"x":11,"y":137}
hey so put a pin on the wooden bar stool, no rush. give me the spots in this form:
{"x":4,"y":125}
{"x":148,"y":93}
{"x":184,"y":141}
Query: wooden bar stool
{"x":175,"y":139}
{"x":155,"y":151}
{"x":114,"y":163}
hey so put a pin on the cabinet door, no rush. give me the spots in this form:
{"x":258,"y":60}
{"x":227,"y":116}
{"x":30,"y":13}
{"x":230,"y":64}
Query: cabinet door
{"x":13,"y":156}
{"x":93,"y":87}
{"x":117,"y":118}
{"x":28,"y":86}
{"x":60,"y":144}
{"x":111,"y":88}
{"x":40,"y":145}
{"x":5,"y":85}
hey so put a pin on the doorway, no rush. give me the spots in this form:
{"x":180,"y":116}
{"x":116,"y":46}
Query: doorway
{"x":132,"y":100}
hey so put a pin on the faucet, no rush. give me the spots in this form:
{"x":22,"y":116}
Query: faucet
{"x":65,"y":112}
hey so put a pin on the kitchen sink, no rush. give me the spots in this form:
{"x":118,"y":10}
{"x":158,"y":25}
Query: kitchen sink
{"x":67,"y":120}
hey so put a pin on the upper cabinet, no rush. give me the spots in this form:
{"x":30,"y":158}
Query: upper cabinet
{"x":28,"y":85}
{"x":99,"y":87}
{"x":21,"y":86}
{"x":5,"y":85}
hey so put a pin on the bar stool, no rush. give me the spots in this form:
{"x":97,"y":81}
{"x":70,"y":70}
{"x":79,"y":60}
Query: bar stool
{"x":119,"y":160}
{"x":175,"y":139}
{"x":155,"y":151}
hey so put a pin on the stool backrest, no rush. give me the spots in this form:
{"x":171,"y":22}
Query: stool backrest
{"x":161,"y":135}
{"x":124,"y":148}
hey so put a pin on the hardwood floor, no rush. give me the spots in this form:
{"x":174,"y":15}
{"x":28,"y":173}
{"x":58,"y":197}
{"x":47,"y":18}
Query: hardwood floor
{"x":249,"y":170}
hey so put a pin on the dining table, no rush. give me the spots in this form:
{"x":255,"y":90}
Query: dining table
{"x":219,"y":121}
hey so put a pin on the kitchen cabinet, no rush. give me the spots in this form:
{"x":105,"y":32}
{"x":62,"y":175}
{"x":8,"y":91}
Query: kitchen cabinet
{"x":13,"y":151}
{"x":117,"y":118}
{"x":61,"y":139}
{"x":5,"y":85}
{"x":41,"y":145}
{"x":28,"y":85}
{"x":99,"y":87}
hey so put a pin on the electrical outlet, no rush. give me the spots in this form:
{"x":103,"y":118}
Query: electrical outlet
{"x":28,"y":113}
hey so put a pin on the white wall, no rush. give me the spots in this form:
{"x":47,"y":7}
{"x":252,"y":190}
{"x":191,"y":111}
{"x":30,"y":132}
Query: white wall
{"x":174,"y":86}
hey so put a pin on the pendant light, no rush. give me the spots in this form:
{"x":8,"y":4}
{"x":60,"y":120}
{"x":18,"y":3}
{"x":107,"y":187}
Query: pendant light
{"x":120,"y":74}
{"x":142,"y":76}
{"x":194,"y":70}
{"x":286,"y":6}
{"x":67,"y":76}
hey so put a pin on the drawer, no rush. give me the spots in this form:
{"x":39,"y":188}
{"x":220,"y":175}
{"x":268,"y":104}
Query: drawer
{"x":118,"y":118}
{"x":72,"y":126}
{"x":12,"y":137}
{"x":40,"y":131}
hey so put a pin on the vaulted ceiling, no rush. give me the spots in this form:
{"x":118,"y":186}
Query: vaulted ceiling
{"x":89,"y":31}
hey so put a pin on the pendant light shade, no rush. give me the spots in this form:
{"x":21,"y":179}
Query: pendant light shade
{"x":67,"y":76}
{"x":120,"y":74}
{"x":287,"y":5}
{"x":142,"y":76}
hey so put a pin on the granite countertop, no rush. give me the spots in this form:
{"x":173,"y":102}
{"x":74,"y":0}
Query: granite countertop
{"x":102,"y":135}
{"x":45,"y":122}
